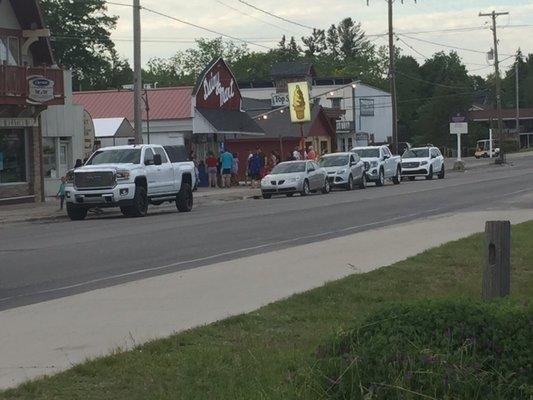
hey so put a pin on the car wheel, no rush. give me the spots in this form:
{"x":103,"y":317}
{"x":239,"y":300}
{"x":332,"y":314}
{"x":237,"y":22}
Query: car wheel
{"x":305,"y":189}
{"x":184,"y":199}
{"x":429,"y":176}
{"x":327,"y":187}
{"x":139,"y":208}
{"x":412,"y":178}
{"x":76,"y":213}
{"x":397,"y":179}
{"x":442,"y":173}
{"x":362,"y":182}
{"x":349,"y":185}
{"x":381,"y":178}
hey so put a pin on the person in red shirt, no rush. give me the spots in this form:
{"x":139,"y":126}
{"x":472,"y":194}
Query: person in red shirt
{"x":211,"y":163}
{"x":311,"y":154}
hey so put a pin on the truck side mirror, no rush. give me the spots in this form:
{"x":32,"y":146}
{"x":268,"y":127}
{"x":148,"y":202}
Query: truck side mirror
{"x":157,"y":159}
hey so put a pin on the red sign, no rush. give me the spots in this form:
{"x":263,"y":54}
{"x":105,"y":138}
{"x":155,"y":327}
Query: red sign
{"x":217,"y":88}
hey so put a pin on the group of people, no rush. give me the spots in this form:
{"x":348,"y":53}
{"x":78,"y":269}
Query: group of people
{"x":225,"y":167}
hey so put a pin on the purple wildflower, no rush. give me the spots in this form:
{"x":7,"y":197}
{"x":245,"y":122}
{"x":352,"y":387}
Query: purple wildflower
{"x":445,"y":380}
{"x":408,"y":376}
{"x":447,"y":332}
{"x":498,"y":350}
{"x":319,"y":352}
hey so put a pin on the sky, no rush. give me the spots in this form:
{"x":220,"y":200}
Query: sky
{"x":162,"y":36}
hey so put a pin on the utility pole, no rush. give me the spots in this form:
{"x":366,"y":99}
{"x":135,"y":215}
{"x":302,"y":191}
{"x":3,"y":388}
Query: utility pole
{"x":392,"y":76}
{"x":516,"y":73}
{"x":494,"y":15}
{"x":137,"y":78}
{"x":392,"y":81}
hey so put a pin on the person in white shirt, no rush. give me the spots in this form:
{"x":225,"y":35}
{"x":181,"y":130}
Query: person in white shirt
{"x":296,"y":154}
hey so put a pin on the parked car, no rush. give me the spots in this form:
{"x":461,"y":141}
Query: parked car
{"x":483,"y":149}
{"x":344,"y":170}
{"x":380,"y":164}
{"x":423,"y":161}
{"x":179,"y":154}
{"x":129,"y":177}
{"x":292,"y":177}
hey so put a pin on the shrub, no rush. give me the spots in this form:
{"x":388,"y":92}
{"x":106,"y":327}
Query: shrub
{"x":510,"y":146}
{"x":442,"y":350}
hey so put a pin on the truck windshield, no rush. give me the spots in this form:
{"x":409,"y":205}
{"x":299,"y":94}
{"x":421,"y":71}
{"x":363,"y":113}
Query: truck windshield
{"x":367,"y":153}
{"x":287,"y":168}
{"x":416,"y":153}
{"x":333,"y":161}
{"x":116,"y":156}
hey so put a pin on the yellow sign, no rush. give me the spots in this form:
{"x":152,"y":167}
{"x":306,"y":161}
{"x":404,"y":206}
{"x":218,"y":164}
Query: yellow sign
{"x":299,"y":102}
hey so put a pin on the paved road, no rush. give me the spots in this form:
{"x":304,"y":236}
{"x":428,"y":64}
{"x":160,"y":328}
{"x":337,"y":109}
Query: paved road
{"x":39,"y":262}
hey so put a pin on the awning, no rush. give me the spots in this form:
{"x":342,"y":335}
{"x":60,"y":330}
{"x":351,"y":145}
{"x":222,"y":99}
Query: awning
{"x":215,"y":120}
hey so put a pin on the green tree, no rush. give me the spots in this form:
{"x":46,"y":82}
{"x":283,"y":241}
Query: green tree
{"x":352,"y":39}
{"x":81,"y":39}
{"x":332,"y":41}
{"x":315,"y":43}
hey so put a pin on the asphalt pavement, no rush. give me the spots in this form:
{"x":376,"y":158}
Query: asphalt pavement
{"x":43,"y":261}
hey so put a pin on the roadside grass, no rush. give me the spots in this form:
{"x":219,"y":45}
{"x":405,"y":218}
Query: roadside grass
{"x":258,"y":355}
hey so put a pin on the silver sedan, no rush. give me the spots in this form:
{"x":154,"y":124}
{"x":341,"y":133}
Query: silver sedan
{"x":292,"y":177}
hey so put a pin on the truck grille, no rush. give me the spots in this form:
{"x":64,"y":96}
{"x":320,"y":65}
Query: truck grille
{"x":94,"y":180}
{"x":410,"y":165}
{"x":367,"y":165}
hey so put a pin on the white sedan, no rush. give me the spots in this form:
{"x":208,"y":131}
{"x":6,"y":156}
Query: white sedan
{"x":292,"y":177}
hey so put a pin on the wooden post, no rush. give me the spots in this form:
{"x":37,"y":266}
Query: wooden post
{"x":496,"y":274}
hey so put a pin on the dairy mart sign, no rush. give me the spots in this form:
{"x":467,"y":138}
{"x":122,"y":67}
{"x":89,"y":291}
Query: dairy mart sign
{"x":40,"y":89}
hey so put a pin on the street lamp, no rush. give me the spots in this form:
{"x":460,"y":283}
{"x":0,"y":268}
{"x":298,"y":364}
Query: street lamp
{"x":354,"y":86}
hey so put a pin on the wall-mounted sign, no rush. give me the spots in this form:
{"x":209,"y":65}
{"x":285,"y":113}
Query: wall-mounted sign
{"x":299,"y":102}
{"x":40,"y":89}
{"x":88,"y":135}
{"x":217,"y":88}
{"x":280,"y":99}
{"x":18,"y":122}
{"x":367,"y":107}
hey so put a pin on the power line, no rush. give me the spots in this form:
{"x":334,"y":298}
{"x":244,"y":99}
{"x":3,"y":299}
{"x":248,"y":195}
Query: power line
{"x":204,"y":28}
{"x":431,"y":83}
{"x":254,"y":17}
{"x":276,"y":16}
{"x":445,"y":45}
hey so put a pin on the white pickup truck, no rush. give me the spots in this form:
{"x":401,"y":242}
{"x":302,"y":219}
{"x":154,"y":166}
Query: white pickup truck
{"x":129,"y":177}
{"x":380,"y":164}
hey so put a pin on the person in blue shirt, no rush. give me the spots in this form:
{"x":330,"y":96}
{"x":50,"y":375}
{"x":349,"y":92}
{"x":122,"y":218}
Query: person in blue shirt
{"x":254,"y":165}
{"x":226,"y":159}
{"x":61,"y":192}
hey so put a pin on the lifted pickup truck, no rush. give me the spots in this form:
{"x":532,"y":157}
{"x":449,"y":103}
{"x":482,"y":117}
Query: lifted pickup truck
{"x":380,"y":164}
{"x":129,"y":177}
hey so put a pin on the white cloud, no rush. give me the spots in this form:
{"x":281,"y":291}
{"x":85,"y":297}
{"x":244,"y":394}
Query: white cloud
{"x":426,"y":15}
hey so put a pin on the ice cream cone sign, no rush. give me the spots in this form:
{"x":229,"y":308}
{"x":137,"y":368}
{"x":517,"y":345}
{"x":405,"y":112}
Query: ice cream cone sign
{"x":299,"y":102}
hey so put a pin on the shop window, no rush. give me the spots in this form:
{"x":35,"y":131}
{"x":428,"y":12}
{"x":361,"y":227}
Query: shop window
{"x":49,"y":158}
{"x":336,"y":102}
{"x":12,"y":157}
{"x":350,"y":143}
{"x":10,"y":50}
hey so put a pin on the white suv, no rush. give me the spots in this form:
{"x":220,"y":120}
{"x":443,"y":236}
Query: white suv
{"x":423,"y":161}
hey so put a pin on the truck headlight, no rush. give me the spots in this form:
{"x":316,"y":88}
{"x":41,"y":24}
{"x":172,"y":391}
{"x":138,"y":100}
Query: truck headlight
{"x":70,"y":176}
{"x":123,"y":175}
{"x":423,"y":163}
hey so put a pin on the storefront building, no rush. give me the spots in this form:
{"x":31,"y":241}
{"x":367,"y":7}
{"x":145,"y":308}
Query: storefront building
{"x":29,"y":83}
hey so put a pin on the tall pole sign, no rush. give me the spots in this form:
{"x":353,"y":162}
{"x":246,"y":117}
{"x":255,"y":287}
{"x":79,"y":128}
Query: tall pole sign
{"x":300,"y":107}
{"x":459,"y":127}
{"x":137,"y":79}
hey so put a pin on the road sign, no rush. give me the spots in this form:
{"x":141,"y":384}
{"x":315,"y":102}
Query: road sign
{"x":459,"y":128}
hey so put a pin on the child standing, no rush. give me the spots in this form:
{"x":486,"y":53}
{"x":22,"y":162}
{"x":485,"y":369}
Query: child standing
{"x":61,"y":193}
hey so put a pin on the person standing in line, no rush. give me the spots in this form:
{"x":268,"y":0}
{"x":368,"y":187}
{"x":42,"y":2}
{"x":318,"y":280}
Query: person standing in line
{"x":235,"y":169}
{"x":211,"y":163}
{"x":255,"y":165}
{"x":226,"y":160}
{"x":296,"y":154}
{"x":247,"y":172}
{"x":61,"y":193}
{"x":311,"y":154}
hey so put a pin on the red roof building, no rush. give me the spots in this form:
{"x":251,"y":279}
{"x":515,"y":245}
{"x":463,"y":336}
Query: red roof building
{"x":167,"y":116}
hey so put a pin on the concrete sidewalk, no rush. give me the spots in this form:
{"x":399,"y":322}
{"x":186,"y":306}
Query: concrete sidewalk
{"x":52,"y":336}
{"x":49,"y":211}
